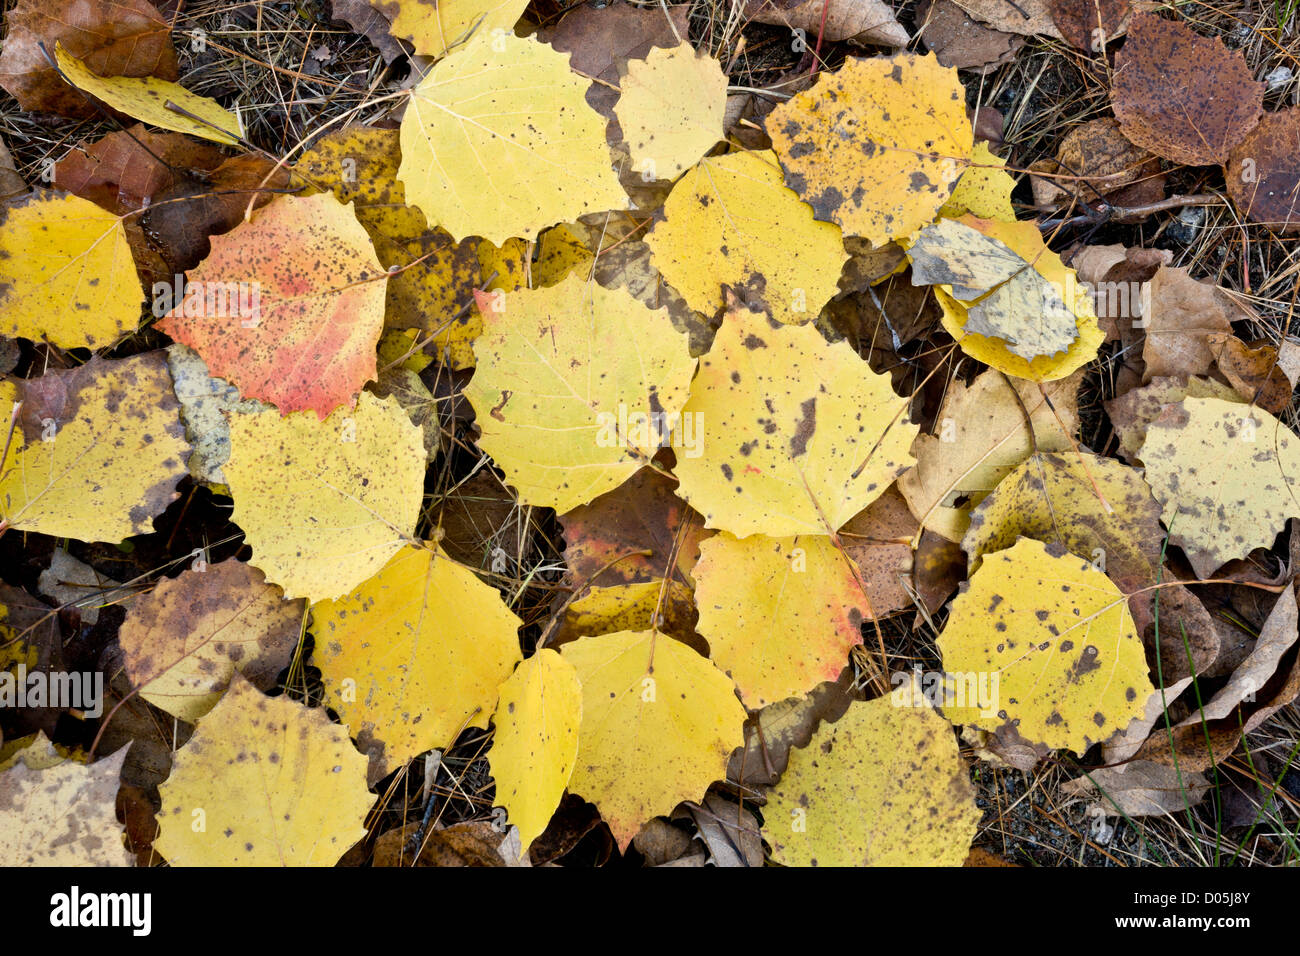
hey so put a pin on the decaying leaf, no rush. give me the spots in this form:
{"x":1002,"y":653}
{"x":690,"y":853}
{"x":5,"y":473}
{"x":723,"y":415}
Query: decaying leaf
{"x":63,"y":473}
{"x":960,"y":41}
{"x":264,"y":781}
{"x":325,"y":504}
{"x":780,"y":614}
{"x":289,"y":307}
{"x":658,"y":724}
{"x":540,"y":144}
{"x":205,"y":403}
{"x":577,"y":387}
{"x":1227,"y":476}
{"x":1061,"y":661}
{"x":1263,"y":172}
{"x":845,"y":800}
{"x":436,"y":27}
{"x":1182,"y":96}
{"x":876,"y":146}
{"x":870,"y":22}
{"x":1088,"y":24}
{"x":414,"y":655}
{"x":784,"y":456}
{"x":731,"y":222}
{"x":536,"y":742}
{"x":1179,"y":316}
{"x":1132,"y":412}
{"x":62,"y":814}
{"x":185,"y":639}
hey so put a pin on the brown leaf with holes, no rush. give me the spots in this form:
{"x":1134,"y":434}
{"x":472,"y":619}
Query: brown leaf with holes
{"x":112,"y":37}
{"x":1185,"y":97}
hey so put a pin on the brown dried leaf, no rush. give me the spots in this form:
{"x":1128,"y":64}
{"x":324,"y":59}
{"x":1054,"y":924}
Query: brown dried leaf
{"x":857,"y":21}
{"x":1181,"y":317}
{"x":1087,"y":23}
{"x":1263,"y":172}
{"x":960,"y":41}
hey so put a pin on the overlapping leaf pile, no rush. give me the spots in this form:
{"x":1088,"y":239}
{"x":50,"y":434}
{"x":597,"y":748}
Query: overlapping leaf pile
{"x":745,"y":490}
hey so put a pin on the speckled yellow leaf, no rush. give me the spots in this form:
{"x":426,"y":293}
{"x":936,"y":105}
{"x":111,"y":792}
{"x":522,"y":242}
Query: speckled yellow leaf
{"x":1004,"y":296}
{"x":414,"y":655}
{"x":436,"y":26}
{"x":577,"y":386}
{"x":658,"y":724}
{"x":66,"y":273}
{"x":560,"y":253}
{"x":62,"y":815}
{"x":671,"y":109}
{"x":536,"y":740}
{"x":1055,"y":638}
{"x":780,"y":614}
{"x":98,"y":450}
{"x":150,"y":100}
{"x":884,"y":785}
{"x":984,"y":189}
{"x":325,"y":504}
{"x":1024,"y":239}
{"x":498,"y":141}
{"x":981,"y":438}
{"x":184,"y":639}
{"x":1227,"y":476}
{"x":731,"y":221}
{"x":787,"y":422}
{"x":433,"y":285}
{"x":264,"y":781}
{"x":877,"y":145}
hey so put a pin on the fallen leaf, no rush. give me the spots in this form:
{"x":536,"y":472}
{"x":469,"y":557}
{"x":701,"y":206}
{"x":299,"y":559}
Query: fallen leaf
{"x":1263,"y":175}
{"x":1180,"y":315}
{"x":1225,"y":474}
{"x":785,"y":456}
{"x":264,"y":781}
{"x":414,"y":655}
{"x":1064,"y":663}
{"x":879,"y":541}
{"x":86,"y":420}
{"x":780,"y":614}
{"x":66,"y":273}
{"x":961,"y":42}
{"x":1026,"y":17}
{"x":461,"y":121}
{"x":846,"y":801}
{"x":438,"y":27}
{"x":1089,"y":24}
{"x":876,"y":146}
{"x":325,"y":504}
{"x":658,"y":723}
{"x":1184,"y":97}
{"x":1141,"y":788}
{"x":869,"y":22}
{"x":184,"y":640}
{"x":984,"y":189}
{"x":536,"y":741}
{"x":731,"y":222}
{"x":205,"y":403}
{"x":371,"y":24}
{"x":1254,"y":373}
{"x":1131,"y":413}
{"x":288,"y":307}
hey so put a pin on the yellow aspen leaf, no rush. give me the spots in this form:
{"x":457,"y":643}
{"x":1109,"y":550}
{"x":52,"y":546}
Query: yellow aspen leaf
{"x":288,"y":307}
{"x":658,"y":724}
{"x":536,"y":740}
{"x":981,"y":438}
{"x":184,"y":640}
{"x":66,"y":273}
{"x":786,"y":454}
{"x":61,"y":814}
{"x":496,"y":159}
{"x":884,"y":785}
{"x":1004,"y":296}
{"x":731,"y":221}
{"x":151,"y":101}
{"x":1024,"y":239}
{"x":414,"y":655}
{"x":502,"y":268}
{"x":64,"y":475}
{"x":984,"y":189}
{"x":1226,"y":475}
{"x":1064,"y":663}
{"x":264,"y":781}
{"x":671,"y":109}
{"x":325,"y":504}
{"x":668,"y":606}
{"x":398,"y":348}
{"x":877,"y":145}
{"x":577,"y":387}
{"x":561,"y":253}
{"x":435,"y":275}
{"x":780,"y":614}
{"x":435,"y":27}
